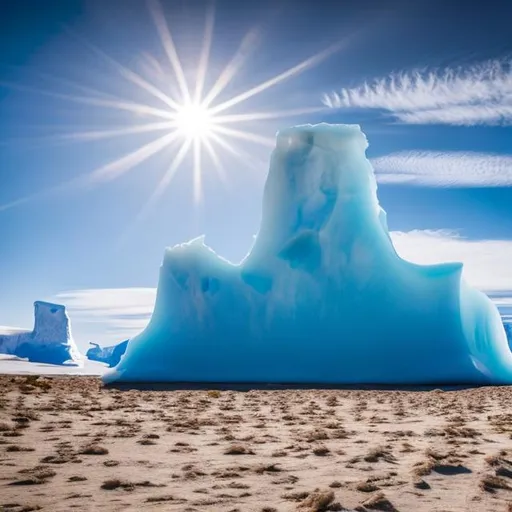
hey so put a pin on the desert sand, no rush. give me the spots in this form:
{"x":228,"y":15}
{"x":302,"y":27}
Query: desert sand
{"x":68,"y":443}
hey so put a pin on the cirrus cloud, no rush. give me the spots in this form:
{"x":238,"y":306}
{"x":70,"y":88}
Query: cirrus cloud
{"x":445,"y":169}
{"x":471,"y":95}
{"x":107,"y":315}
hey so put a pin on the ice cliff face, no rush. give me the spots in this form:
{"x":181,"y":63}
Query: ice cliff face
{"x":322,"y":296}
{"x":49,"y":342}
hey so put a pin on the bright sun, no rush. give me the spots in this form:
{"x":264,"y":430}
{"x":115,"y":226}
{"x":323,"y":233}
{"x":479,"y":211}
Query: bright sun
{"x":194,"y":121}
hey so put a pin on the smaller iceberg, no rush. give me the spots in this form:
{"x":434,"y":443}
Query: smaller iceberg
{"x":49,"y":342}
{"x":108,"y":355}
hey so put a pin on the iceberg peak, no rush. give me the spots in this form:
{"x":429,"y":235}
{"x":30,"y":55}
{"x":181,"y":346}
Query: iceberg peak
{"x":322,"y":295}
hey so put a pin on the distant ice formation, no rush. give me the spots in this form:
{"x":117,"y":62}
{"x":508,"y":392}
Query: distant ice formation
{"x":50,"y":342}
{"x":322,"y":297}
{"x":108,"y":355}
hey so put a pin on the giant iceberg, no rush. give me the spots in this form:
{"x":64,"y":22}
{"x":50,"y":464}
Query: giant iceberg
{"x":322,"y":297}
{"x":49,"y":342}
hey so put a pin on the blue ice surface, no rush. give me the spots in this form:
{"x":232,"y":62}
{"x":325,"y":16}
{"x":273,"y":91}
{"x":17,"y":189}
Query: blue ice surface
{"x":322,"y":296}
{"x":508,"y":332}
{"x":108,"y":355}
{"x":49,"y":342}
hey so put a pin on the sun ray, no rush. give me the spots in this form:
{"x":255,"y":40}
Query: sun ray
{"x":205,"y":53}
{"x":259,"y":116}
{"x":136,"y":108}
{"x":216,"y":160}
{"x":18,"y":202}
{"x":169,"y":47}
{"x":191,"y":125}
{"x":99,"y":134}
{"x":103,"y":98}
{"x":120,"y":166}
{"x":83,"y":88}
{"x":197,"y":171}
{"x":240,"y":134}
{"x":224,"y":144}
{"x":242,"y":156}
{"x":294,"y":71}
{"x":108,"y":172}
{"x":130,"y":75}
{"x":247,"y":44}
{"x":106,"y":134}
{"x":168,"y":176}
{"x":159,"y":190}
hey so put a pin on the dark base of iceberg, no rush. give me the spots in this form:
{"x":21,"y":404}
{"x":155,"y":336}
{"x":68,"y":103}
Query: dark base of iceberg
{"x":47,"y":354}
{"x":49,"y":342}
{"x":322,"y":297}
{"x":108,"y":355}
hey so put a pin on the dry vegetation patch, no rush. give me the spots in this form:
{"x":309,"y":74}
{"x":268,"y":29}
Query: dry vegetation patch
{"x":72,"y":441}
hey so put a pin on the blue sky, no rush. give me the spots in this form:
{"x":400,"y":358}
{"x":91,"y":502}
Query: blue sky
{"x":430,"y":82}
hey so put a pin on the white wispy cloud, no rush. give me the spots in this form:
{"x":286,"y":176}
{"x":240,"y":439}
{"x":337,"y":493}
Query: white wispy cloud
{"x":110,"y":301}
{"x":475,"y":94}
{"x":463,"y":115}
{"x":505,"y":302}
{"x":487,"y":263}
{"x":108,"y":315}
{"x":445,"y":169}
{"x":10,"y":330}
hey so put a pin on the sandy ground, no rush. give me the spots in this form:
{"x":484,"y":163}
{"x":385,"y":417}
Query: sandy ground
{"x":67,"y":443}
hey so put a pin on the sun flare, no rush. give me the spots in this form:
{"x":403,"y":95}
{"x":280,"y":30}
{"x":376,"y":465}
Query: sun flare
{"x":194,"y":121}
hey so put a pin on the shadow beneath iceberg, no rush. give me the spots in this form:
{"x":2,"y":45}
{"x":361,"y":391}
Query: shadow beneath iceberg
{"x":258,"y":386}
